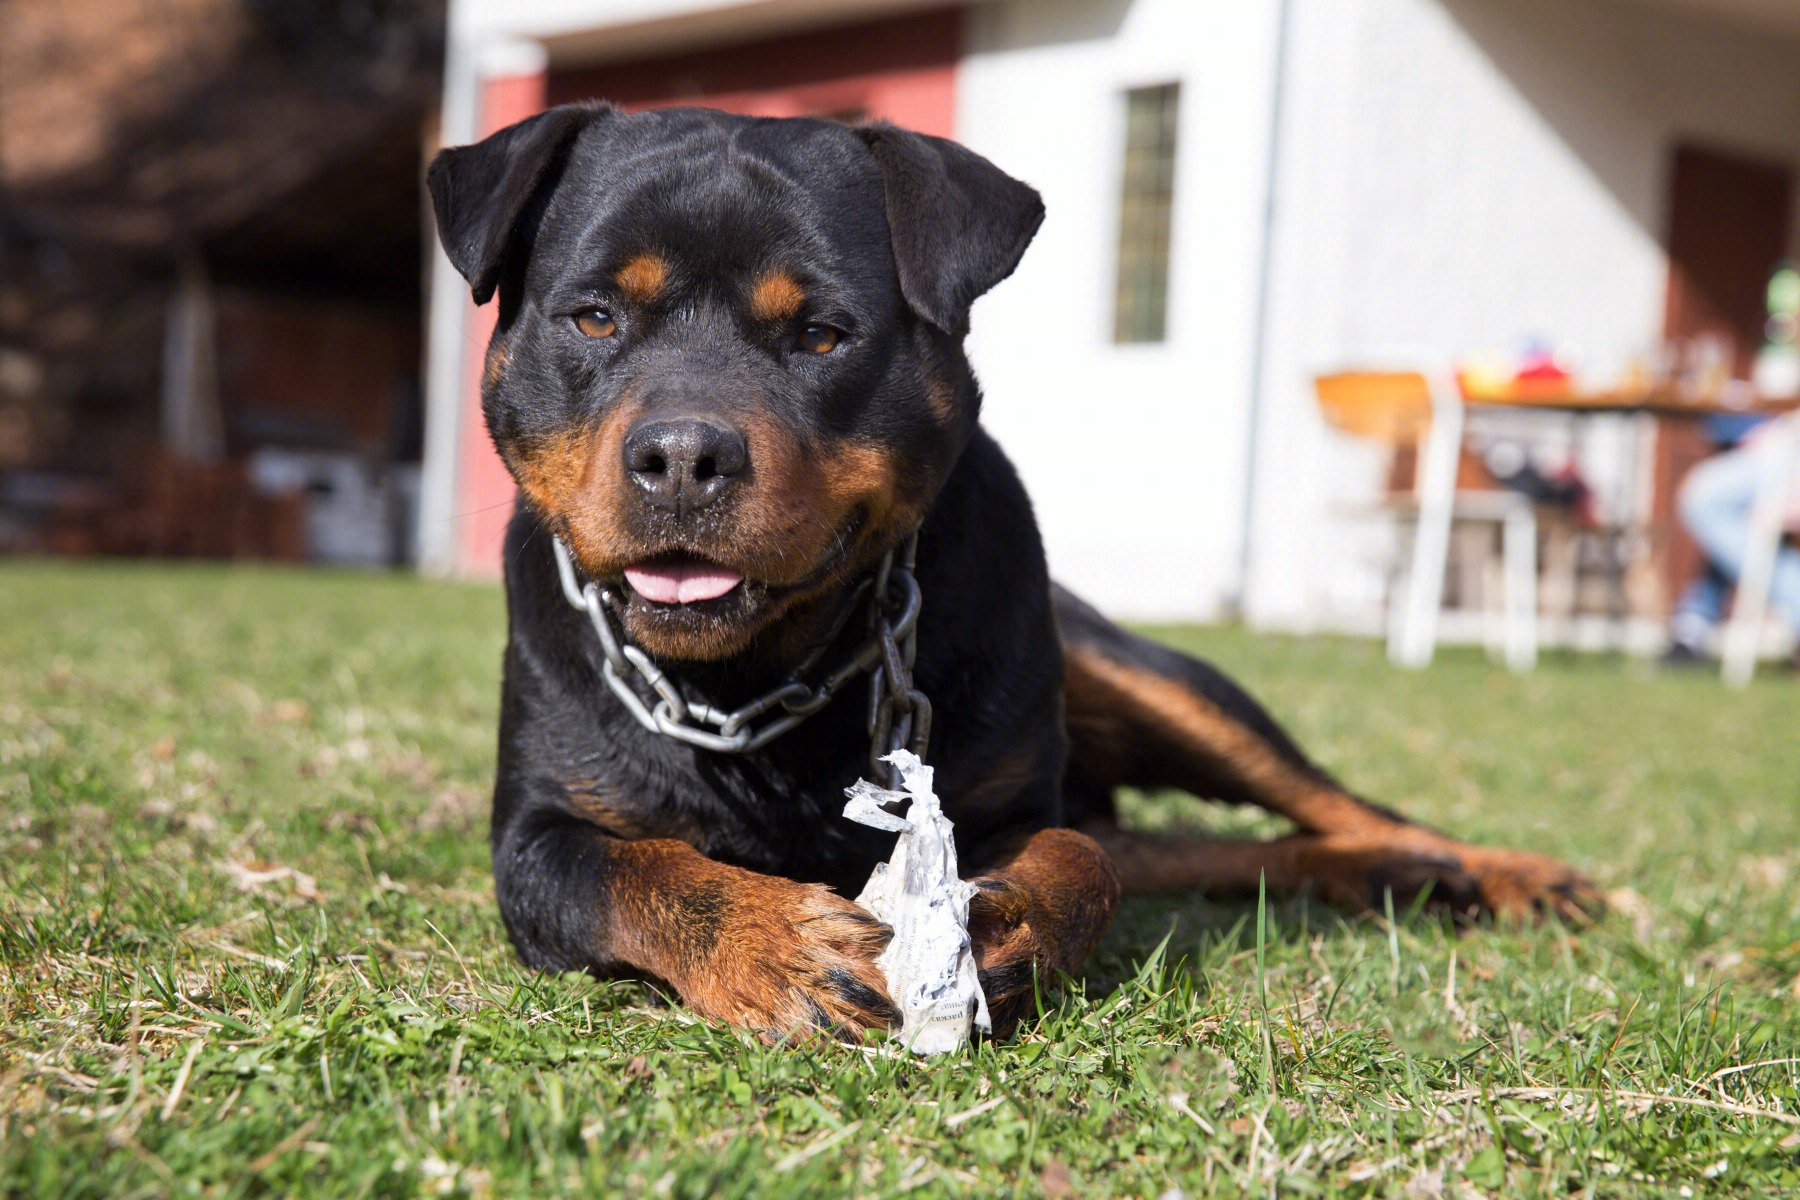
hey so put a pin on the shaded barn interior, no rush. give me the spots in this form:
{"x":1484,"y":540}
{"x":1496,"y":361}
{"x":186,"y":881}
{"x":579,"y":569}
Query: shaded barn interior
{"x":211,"y":274}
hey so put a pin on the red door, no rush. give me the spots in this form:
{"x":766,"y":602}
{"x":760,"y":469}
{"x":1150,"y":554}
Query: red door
{"x":901,"y":70}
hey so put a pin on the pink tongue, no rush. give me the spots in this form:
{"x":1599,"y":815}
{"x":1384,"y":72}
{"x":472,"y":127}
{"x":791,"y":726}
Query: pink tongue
{"x":681,"y":582}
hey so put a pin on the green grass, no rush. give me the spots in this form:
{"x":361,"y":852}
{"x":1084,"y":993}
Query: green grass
{"x":250,"y":946}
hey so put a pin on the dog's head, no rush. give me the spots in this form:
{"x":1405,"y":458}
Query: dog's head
{"x":728,"y":369}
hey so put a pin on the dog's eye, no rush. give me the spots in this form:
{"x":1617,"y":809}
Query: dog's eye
{"x":819,"y":339}
{"x":597,"y":324}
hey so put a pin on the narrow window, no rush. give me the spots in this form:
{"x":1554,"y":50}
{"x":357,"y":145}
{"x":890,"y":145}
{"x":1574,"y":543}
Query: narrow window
{"x":1140,"y":303}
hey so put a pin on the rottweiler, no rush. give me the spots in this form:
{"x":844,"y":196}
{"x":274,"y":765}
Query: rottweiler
{"x":728,"y":377}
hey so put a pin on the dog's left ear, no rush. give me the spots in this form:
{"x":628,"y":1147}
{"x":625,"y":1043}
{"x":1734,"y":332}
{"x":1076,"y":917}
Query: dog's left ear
{"x":480,"y":192}
{"x":959,"y":223}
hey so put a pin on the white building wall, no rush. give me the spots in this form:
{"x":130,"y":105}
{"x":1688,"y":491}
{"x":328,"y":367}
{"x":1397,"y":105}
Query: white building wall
{"x":1456,"y":173}
{"x":1463,"y":174}
{"x":1135,"y":455}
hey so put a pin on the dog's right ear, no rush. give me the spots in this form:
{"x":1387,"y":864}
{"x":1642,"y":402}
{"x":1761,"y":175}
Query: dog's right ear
{"x":959,"y":224}
{"x":479,"y":192}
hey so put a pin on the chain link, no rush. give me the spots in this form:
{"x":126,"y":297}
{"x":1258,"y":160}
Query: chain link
{"x":899,"y":714}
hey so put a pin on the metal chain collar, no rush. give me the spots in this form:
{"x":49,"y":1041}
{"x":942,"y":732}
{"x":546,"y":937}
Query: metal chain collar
{"x":899,"y":714}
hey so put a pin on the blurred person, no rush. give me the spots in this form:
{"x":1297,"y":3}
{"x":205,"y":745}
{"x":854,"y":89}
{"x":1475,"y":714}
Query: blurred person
{"x":1701,"y":606}
{"x":1715,"y":505}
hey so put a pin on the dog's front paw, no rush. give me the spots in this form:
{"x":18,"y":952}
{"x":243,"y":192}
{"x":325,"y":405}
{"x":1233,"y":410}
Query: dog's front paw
{"x":790,"y":961}
{"x":1041,"y":913}
{"x":1010,"y":955}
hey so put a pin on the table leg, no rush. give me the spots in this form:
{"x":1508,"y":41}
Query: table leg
{"x":1519,"y":557}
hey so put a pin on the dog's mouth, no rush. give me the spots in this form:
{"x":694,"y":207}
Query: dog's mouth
{"x":676,"y":579}
{"x":685,"y":605}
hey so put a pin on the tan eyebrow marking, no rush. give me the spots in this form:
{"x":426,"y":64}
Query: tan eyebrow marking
{"x":777,"y":296}
{"x":642,"y":278}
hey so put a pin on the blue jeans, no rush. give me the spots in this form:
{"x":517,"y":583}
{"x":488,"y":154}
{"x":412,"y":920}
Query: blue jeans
{"x":1715,"y":506}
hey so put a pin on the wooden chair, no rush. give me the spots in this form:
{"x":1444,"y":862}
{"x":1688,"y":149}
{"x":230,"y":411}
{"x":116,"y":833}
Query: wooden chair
{"x":1412,"y":400}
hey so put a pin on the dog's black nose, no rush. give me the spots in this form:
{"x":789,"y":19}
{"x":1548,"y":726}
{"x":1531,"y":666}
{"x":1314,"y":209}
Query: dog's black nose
{"x":683,"y":465}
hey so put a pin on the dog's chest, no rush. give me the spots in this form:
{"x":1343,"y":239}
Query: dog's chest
{"x":778,"y":811}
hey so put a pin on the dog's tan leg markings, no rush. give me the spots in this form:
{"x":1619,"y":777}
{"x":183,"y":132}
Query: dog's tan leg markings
{"x":1120,"y":702}
{"x":1042,"y":910}
{"x":781,"y":958}
{"x":1140,"y":727}
{"x":1345,"y":870}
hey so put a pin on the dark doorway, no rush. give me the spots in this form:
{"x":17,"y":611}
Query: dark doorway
{"x":1728,"y":227}
{"x":1729,"y":219}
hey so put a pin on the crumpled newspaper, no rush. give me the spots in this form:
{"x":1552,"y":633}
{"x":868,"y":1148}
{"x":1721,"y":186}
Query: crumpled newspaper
{"x":930,"y":966}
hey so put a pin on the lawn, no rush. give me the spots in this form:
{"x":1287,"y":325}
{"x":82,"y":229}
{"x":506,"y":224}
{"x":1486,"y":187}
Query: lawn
{"x":250,"y":945}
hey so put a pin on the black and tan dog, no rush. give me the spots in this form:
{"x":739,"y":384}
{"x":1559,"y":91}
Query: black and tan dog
{"x":729,"y":375}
